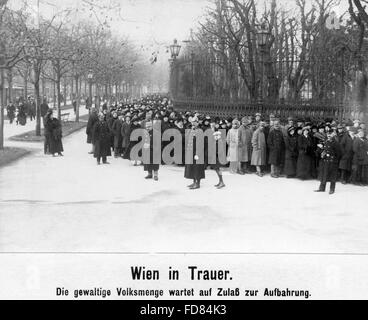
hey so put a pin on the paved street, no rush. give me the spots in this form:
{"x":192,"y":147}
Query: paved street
{"x":70,"y":204}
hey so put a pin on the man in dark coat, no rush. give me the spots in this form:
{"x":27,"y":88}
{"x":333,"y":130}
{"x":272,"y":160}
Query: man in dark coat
{"x":101,"y":140}
{"x":149,"y":147}
{"x":329,"y":165}
{"x":92,"y":120}
{"x":125,"y":136}
{"x":345,"y":164}
{"x":194,"y":167}
{"x":55,"y":135}
{"x":116,"y":131}
{"x":11,"y":112}
{"x":276,"y":145}
{"x":47,"y":132}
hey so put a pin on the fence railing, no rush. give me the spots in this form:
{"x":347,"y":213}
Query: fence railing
{"x":281,"y":110}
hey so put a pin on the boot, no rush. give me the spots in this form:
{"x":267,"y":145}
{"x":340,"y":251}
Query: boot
{"x":192,"y":185}
{"x":322,"y":188}
{"x":149,"y":176}
{"x":221,"y":185}
{"x":332,"y":187}
{"x":196,"y":186}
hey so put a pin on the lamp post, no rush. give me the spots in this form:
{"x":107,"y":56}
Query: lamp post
{"x":263,"y":39}
{"x":175,"y":51}
{"x":90,"y":77}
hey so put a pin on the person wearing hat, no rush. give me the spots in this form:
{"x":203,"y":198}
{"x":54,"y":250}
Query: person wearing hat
{"x":304,"y":163}
{"x":135,"y":125}
{"x":329,"y":165}
{"x":125,"y":137}
{"x":345,"y":165}
{"x":194,"y":157}
{"x":245,"y":145}
{"x":47,"y":132}
{"x":101,"y":140}
{"x":259,"y":148}
{"x":149,"y":147}
{"x":291,"y":153}
{"x":232,"y":140}
{"x":276,"y":145}
{"x":54,"y":129}
{"x":359,"y":156}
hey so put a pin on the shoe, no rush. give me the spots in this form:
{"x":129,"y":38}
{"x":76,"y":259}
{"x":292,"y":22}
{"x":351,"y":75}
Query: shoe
{"x":61,"y":155}
{"x":332,"y":191}
{"x":319,"y":190}
{"x":191,"y":185}
{"x":98,"y":163}
{"x":149,"y":177}
{"x":222,"y":185}
{"x":91,"y":152}
{"x":274,"y":176}
{"x":259,"y":174}
{"x":106,"y":162}
{"x":196,"y":186}
{"x":155,"y":178}
{"x":217,"y":185}
{"x":241,"y":173}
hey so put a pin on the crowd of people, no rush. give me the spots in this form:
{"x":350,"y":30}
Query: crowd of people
{"x":301,"y":148}
{"x":23,"y":109}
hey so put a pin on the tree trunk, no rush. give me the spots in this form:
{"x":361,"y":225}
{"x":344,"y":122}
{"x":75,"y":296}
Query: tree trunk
{"x":77,"y":92}
{"x":65,"y":96}
{"x":2,"y":104}
{"x":37,"y":75}
{"x":10,"y":85}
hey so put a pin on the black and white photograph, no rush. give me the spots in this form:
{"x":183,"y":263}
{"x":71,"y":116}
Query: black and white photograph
{"x":183,"y":149}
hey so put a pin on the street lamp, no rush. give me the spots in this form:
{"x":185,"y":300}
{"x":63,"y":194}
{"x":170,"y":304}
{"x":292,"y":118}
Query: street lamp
{"x":263,"y":37}
{"x":90,"y":77}
{"x":175,"y":49}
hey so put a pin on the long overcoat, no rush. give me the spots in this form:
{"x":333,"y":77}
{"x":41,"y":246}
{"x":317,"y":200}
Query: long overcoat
{"x":276,"y":145}
{"x":347,"y":152}
{"x":101,"y":138}
{"x":291,"y":155}
{"x":259,"y":146}
{"x":55,"y":135}
{"x":93,"y":118}
{"x":329,"y":165}
{"x":194,"y":169}
{"x":305,"y":158}
{"x":245,"y":143}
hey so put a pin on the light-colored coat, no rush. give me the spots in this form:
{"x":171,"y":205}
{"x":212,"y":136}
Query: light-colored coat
{"x":259,"y":148}
{"x":233,"y":143}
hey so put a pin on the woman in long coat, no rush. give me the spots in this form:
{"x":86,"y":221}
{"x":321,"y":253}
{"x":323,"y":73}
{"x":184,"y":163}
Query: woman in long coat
{"x":233,"y":143}
{"x":125,"y":134}
{"x":55,"y":134}
{"x":305,"y":159}
{"x":291,"y":153}
{"x":194,"y":169}
{"x":116,"y":131}
{"x":259,"y":149}
{"x":245,"y":145}
{"x":101,"y":138}
{"x":93,"y":118}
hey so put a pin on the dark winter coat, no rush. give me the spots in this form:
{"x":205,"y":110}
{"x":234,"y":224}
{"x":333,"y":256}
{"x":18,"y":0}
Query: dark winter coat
{"x":329,"y":164}
{"x":125,"y":134}
{"x":346,"y":144}
{"x":195,"y":170}
{"x":116,"y":131}
{"x":276,"y":145}
{"x":93,"y":119}
{"x":358,"y":148}
{"x":305,"y":159}
{"x":101,"y":139}
{"x":55,"y":135}
{"x":291,"y":155}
